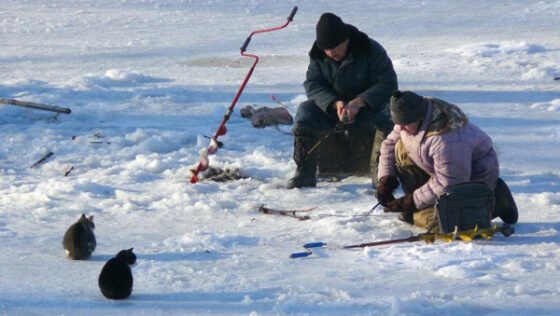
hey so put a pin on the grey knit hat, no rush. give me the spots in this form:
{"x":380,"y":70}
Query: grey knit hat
{"x":407,"y":107}
{"x":331,"y":31}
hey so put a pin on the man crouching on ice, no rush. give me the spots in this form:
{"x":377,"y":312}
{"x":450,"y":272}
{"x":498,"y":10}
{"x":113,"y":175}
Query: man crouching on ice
{"x":433,"y":146}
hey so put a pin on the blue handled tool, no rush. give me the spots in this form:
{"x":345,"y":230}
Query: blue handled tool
{"x":308,"y":252}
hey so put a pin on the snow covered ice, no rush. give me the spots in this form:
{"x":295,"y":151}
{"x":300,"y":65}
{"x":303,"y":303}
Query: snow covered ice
{"x":146,"y":78}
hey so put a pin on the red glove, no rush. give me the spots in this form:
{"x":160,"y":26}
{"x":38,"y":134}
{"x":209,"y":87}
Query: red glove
{"x":385,"y":189}
{"x":404,"y":204}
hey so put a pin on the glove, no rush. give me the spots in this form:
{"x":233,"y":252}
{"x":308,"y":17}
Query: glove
{"x":404,"y":204}
{"x":385,"y":189}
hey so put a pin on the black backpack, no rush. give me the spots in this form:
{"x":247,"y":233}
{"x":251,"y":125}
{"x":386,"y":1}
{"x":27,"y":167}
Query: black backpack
{"x":465,"y":206}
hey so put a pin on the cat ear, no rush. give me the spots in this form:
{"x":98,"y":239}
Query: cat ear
{"x":83,"y":216}
{"x":91,"y":218}
{"x":130,"y":250}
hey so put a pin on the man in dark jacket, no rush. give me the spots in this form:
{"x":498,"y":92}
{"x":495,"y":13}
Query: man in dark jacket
{"x":349,"y":81}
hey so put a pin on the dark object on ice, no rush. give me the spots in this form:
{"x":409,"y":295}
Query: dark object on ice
{"x":556,"y":78}
{"x":465,"y":206}
{"x":79,"y":240}
{"x":115,"y":280}
{"x":222,"y":175}
{"x":96,"y":138}
{"x":40,"y":161}
{"x":37,"y":106}
{"x":264,"y":116}
{"x":289,"y":213}
{"x":67,"y":172}
{"x":505,"y":209}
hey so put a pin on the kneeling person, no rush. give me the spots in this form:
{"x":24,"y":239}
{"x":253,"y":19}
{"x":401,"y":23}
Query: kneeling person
{"x":433,"y":146}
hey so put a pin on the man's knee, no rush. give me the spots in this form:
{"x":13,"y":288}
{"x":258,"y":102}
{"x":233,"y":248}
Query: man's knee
{"x":310,"y":120}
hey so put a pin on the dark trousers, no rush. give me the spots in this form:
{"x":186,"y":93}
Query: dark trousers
{"x":313,"y":124}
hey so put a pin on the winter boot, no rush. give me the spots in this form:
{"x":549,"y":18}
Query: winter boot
{"x":306,"y":161}
{"x":407,"y":217}
{"x":505,"y":209}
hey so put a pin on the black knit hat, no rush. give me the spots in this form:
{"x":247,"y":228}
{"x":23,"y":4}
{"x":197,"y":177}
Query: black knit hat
{"x":407,"y":107}
{"x":331,"y":31}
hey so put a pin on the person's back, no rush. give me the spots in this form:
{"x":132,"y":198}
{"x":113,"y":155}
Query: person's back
{"x":432,"y":147}
{"x":449,"y":155}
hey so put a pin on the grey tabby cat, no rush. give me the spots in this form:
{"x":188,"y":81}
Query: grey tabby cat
{"x":79,"y":241}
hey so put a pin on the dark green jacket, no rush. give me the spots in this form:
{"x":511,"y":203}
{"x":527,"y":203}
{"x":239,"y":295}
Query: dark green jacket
{"x":366,"y":71}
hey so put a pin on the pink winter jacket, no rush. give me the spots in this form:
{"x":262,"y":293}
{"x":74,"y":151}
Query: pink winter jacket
{"x":462,"y":155}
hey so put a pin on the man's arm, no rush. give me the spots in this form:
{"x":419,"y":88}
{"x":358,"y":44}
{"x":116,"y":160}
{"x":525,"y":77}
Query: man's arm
{"x":382,"y":74}
{"x":318,"y":88}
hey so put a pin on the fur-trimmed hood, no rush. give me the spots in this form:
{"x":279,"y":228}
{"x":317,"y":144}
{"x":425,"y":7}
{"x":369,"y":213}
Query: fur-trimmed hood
{"x":359,"y":44}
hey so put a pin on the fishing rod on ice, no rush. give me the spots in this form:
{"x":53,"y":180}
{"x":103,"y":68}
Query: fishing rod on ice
{"x":304,"y":214}
{"x":429,"y":237}
{"x":222,"y":130}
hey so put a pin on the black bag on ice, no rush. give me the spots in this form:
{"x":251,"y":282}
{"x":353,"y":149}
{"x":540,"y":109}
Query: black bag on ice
{"x":465,"y":206}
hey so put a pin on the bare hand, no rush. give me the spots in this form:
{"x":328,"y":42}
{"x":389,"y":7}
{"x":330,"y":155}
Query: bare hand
{"x":340,"y":110}
{"x":353,"y":107}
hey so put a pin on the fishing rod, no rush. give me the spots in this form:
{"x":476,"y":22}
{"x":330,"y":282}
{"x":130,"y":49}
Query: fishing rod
{"x":466,"y":235}
{"x":337,"y":129}
{"x":304,"y":214}
{"x":222,"y":130}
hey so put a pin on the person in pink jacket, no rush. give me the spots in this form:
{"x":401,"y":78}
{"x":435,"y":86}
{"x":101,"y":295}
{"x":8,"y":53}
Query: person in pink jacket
{"x":432,"y":146}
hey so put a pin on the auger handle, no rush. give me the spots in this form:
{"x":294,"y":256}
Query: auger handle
{"x":291,"y":16}
{"x":248,"y":39}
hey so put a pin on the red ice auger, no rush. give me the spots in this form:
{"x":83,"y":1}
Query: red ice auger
{"x":222,"y":130}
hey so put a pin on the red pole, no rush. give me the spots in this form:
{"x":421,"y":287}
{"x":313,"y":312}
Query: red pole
{"x":222,"y":130}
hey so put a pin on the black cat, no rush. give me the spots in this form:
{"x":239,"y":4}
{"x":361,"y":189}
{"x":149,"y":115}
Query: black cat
{"x":115,"y":280}
{"x":79,"y":240}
